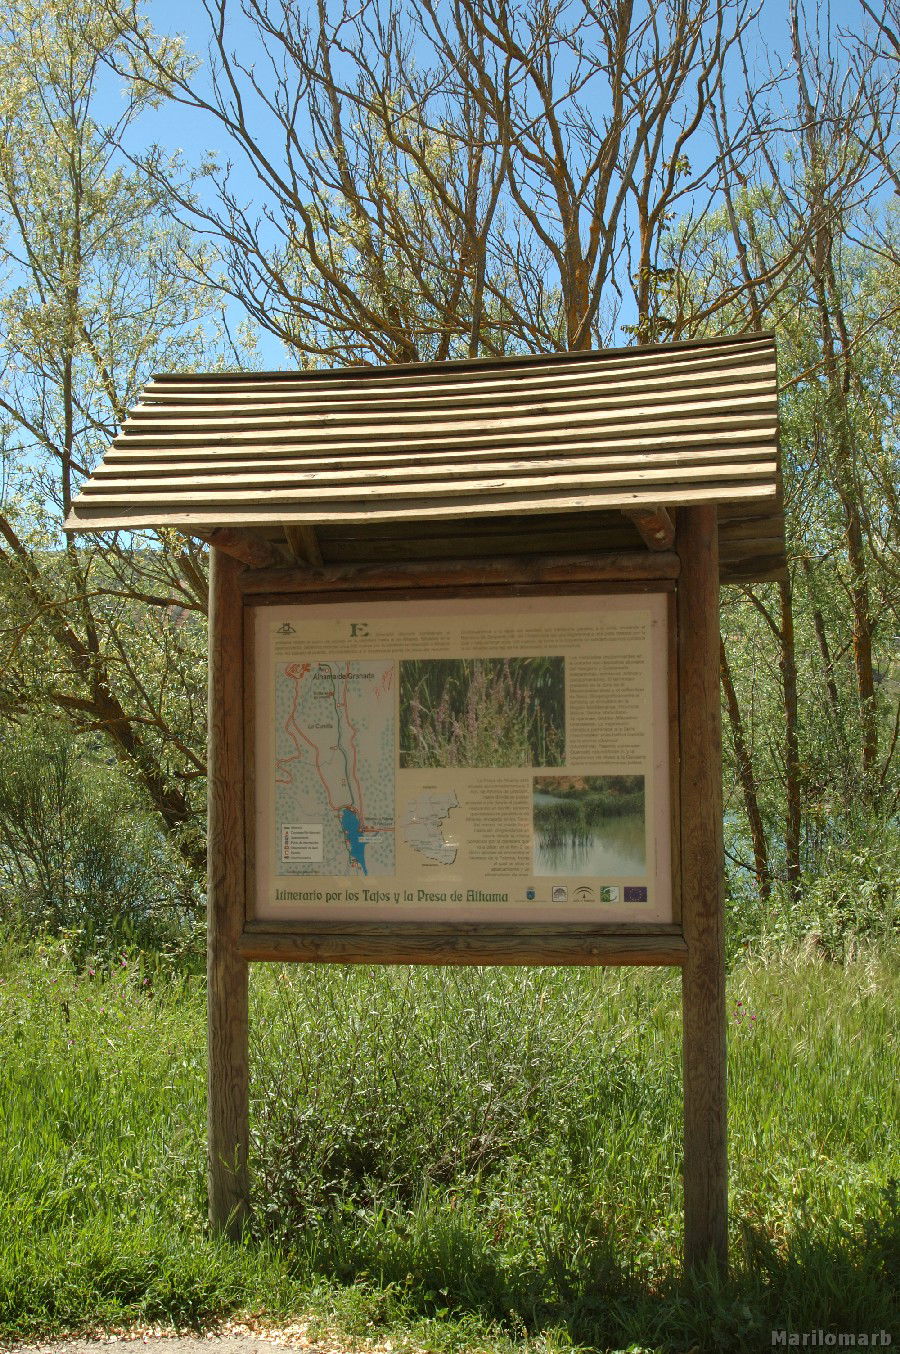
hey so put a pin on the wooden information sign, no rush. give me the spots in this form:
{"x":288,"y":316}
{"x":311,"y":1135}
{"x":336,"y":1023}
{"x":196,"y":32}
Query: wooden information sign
{"x":464,"y":680}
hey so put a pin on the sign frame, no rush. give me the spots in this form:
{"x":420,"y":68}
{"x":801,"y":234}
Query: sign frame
{"x":447,"y":939}
{"x":696,"y":943}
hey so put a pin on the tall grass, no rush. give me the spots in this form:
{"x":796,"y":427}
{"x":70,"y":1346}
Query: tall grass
{"x":579,"y":819}
{"x":482,"y":712}
{"x":458,"y":1157}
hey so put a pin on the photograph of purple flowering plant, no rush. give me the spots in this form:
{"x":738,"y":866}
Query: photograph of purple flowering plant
{"x":473,"y":712}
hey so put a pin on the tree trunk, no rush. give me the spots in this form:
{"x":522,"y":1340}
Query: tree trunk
{"x":824,"y":649}
{"x":788,"y":666}
{"x":747,"y":778}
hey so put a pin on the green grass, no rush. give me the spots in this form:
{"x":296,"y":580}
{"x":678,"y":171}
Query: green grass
{"x":453,"y":1158}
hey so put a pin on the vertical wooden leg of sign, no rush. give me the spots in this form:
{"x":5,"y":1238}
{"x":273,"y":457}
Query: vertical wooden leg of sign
{"x":702,"y":890}
{"x":228,"y":1106}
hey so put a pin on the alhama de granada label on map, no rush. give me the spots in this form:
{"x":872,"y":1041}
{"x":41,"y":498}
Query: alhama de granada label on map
{"x":468,"y":760}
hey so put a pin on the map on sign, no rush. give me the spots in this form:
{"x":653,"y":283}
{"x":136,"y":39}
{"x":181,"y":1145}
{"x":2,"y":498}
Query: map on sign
{"x":424,"y":826}
{"x":335,"y":730}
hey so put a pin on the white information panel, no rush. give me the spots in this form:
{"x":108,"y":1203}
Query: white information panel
{"x":466,"y":760}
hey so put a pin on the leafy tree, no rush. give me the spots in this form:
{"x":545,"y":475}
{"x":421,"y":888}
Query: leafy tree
{"x":807,"y":243}
{"x":441,"y":180}
{"x":108,"y":632}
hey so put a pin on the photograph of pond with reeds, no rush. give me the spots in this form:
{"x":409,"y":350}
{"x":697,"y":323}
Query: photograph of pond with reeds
{"x":589,"y":825}
{"x":474,"y":712}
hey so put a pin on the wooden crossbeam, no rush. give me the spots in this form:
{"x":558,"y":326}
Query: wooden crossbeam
{"x":242,"y":543}
{"x":637,"y":567}
{"x":655,"y":525}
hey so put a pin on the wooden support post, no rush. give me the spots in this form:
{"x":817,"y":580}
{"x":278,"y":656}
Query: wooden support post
{"x":228,"y":1106}
{"x":702,"y":892}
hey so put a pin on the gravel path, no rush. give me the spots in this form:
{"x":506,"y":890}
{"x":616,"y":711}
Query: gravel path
{"x":164,"y":1344}
{"x":234,"y":1338}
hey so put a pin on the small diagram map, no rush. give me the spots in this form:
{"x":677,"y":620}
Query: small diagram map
{"x":334,"y":767}
{"x":423,"y":826}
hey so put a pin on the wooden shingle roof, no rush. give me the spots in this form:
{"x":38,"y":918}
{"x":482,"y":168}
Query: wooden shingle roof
{"x":459,"y":454}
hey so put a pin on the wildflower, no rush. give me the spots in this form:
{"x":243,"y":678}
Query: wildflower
{"x":472,"y":719}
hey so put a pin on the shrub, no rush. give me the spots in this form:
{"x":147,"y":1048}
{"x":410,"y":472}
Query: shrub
{"x":80,"y":855}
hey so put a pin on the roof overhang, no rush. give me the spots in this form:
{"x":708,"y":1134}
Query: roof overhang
{"x":522,"y":455}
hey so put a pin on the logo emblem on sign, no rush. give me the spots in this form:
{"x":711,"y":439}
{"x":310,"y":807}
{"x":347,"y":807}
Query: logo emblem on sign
{"x":560,"y":893}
